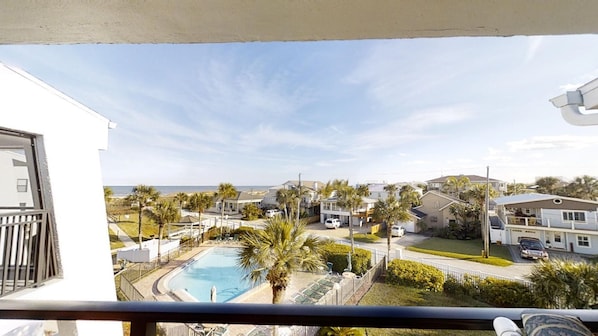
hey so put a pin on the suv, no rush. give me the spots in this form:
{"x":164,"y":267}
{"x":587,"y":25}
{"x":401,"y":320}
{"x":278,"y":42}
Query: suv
{"x":532,"y":248}
{"x":272,"y":213}
{"x":332,"y":223}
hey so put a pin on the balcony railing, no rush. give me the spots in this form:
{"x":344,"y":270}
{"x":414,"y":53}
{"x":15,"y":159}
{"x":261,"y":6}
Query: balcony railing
{"x":144,"y":315}
{"x":525,"y":221}
{"x":27,"y":251}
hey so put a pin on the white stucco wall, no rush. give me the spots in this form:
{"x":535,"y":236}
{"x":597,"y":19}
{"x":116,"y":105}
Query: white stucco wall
{"x":71,"y":136}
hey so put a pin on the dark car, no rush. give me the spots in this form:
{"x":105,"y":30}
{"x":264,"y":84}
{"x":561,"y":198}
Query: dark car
{"x":532,"y":248}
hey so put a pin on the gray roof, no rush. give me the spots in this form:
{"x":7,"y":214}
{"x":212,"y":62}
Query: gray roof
{"x":472,"y":179}
{"x":534,"y":197}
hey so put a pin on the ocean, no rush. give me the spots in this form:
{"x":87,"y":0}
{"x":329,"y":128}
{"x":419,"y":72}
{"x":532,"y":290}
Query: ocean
{"x":122,"y":191}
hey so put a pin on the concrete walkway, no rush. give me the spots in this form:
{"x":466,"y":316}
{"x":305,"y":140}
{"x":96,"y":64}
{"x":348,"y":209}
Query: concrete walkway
{"x":122,"y":236}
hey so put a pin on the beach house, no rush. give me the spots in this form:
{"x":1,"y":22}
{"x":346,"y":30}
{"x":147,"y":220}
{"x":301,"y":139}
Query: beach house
{"x":51,"y":203}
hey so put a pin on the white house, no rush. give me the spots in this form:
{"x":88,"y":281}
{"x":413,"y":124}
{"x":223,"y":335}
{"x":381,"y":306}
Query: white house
{"x":562,"y":223}
{"x":330,"y":209}
{"x":51,"y":203}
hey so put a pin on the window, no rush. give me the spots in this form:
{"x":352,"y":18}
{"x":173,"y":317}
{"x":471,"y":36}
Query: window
{"x":21,"y":185}
{"x":583,"y":241}
{"x":557,"y":237}
{"x":28,"y":229}
{"x":578,"y":216}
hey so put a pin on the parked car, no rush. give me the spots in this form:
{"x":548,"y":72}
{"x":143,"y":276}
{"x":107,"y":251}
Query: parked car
{"x":532,"y":248}
{"x":397,"y":231}
{"x":332,"y":223}
{"x":272,"y":213}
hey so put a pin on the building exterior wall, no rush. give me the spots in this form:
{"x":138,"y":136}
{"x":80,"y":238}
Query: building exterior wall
{"x":71,"y":171}
{"x":436,"y":207}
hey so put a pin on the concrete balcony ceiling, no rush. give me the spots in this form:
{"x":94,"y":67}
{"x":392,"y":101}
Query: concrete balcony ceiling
{"x":199,"y":21}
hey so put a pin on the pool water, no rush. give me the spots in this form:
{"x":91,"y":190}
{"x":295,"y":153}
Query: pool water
{"x":218,"y":267}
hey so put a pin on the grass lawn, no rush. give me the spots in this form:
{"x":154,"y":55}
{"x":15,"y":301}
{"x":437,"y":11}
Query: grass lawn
{"x":365,"y":237}
{"x":465,"y":250}
{"x":382,"y":294}
{"x":130,"y":227}
{"x":114,"y":241}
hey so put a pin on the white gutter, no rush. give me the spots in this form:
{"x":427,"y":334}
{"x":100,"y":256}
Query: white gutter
{"x":586,"y":96}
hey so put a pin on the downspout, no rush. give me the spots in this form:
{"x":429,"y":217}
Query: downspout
{"x":569,"y":104}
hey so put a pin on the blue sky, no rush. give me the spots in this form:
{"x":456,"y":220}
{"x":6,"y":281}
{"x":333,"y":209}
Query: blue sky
{"x":367,"y":111}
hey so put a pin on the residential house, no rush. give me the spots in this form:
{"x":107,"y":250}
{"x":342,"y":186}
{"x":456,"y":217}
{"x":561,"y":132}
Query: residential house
{"x":309,"y":201}
{"x":362,"y":215}
{"x":377,"y":189}
{"x":563,"y":223}
{"x":438,"y":183}
{"x":52,"y":203}
{"x":434,"y":210}
{"x":236,"y":204}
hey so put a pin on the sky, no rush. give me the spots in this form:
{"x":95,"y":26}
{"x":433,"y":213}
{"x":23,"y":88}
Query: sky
{"x":368,"y":111}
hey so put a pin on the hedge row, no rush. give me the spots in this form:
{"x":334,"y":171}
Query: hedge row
{"x":495,"y":292}
{"x":337,"y":254}
{"x":414,"y":274}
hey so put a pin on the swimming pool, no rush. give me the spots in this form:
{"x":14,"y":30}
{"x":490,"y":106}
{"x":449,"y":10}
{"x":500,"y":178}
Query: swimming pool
{"x":217,"y":267}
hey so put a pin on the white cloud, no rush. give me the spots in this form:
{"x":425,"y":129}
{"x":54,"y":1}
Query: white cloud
{"x":534,"y":43}
{"x":552,"y":143}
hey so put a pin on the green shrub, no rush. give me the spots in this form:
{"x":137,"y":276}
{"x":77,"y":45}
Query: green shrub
{"x":337,"y":255}
{"x":495,"y":292}
{"x":453,"y":287}
{"x":341,"y":331}
{"x":506,"y":293}
{"x":414,"y":274}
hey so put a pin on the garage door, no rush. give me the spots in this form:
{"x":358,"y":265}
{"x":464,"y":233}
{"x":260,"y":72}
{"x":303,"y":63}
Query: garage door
{"x":409,"y":226}
{"x":517,"y":233}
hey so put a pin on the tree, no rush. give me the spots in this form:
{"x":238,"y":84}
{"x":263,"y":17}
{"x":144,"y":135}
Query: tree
{"x":277,"y":251}
{"x":164,"y":212}
{"x":143,"y":195}
{"x":285,"y":199}
{"x":565,"y":284}
{"x":348,"y":199}
{"x":454,"y":185}
{"x":409,"y":196}
{"x":225,"y":191}
{"x":108,"y":194}
{"x":584,"y":187}
{"x":251,"y":212}
{"x":200,"y":202}
{"x":548,"y":185}
{"x":181,"y":198}
{"x":515,"y":189}
{"x":390,"y":211}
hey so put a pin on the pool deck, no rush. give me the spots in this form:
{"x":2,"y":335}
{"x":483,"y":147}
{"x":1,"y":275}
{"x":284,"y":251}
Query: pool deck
{"x":151,"y":286}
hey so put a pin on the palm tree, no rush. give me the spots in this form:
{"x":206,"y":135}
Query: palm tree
{"x":349,"y":199}
{"x":225,"y":191}
{"x":108,"y":194}
{"x":390,"y":211}
{"x":409,"y":197}
{"x":454,"y":185}
{"x":277,"y":251}
{"x":285,"y":198}
{"x":200,"y":202}
{"x":565,"y":284}
{"x":181,"y":198}
{"x":164,"y":212}
{"x":143,"y":195}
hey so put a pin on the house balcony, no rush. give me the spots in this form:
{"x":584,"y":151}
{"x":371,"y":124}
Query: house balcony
{"x":546,"y":223}
{"x":27,"y":250}
{"x":144,"y":316}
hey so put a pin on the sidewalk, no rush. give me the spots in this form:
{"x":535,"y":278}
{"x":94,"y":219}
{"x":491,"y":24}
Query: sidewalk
{"x":122,"y":236}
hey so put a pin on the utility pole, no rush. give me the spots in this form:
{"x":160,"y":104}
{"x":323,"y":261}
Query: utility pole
{"x":299,"y":201}
{"x":486,"y":217}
